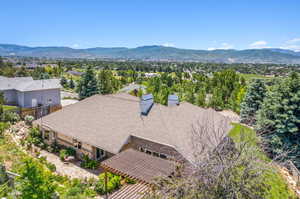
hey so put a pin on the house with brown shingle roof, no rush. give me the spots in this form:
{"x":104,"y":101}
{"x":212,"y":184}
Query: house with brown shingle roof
{"x":106,"y":127}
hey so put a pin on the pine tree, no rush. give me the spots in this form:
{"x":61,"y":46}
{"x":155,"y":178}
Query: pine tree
{"x":71,"y":83}
{"x":279,"y":118}
{"x":105,"y":82}
{"x":87,"y":85}
{"x":63,"y":81}
{"x":252,"y":102}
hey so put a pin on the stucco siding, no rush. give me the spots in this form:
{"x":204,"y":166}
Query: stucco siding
{"x":43,"y":97}
{"x":20,"y":96}
{"x":10,"y":97}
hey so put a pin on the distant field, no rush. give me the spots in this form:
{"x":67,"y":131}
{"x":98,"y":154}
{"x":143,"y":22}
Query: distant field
{"x":253,"y":76}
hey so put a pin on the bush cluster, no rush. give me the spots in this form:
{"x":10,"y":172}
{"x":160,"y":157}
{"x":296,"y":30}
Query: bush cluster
{"x":88,"y":163}
{"x":64,"y":153}
{"x":113,"y":183}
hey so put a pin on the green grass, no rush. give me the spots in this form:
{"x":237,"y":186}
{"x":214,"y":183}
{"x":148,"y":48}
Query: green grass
{"x":249,"y":77}
{"x":279,"y":188}
{"x":9,"y":108}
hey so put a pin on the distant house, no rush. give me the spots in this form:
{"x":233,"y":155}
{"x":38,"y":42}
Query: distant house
{"x":75,"y":73}
{"x":135,"y":137}
{"x":25,"y":92}
{"x":149,"y":75}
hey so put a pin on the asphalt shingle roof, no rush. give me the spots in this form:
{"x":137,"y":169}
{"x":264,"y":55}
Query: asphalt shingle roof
{"x":28,"y":84}
{"x":107,"y":121}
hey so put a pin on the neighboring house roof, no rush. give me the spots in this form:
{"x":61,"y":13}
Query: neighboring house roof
{"x":108,"y":121}
{"x":76,"y":73}
{"x":27,"y":84}
{"x":132,"y":87}
{"x":7,"y":83}
{"x":146,"y":167}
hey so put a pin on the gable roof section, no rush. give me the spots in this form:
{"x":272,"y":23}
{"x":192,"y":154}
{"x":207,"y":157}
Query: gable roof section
{"x":7,"y":83}
{"x":27,"y":84}
{"x":107,"y":121}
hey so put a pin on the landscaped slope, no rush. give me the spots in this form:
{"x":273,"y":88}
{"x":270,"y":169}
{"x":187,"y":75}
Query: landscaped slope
{"x":279,"y":187}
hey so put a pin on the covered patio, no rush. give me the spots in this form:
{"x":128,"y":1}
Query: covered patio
{"x":138,"y":166}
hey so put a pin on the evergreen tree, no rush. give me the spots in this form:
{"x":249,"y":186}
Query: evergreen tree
{"x":63,"y":81}
{"x":105,"y":82}
{"x":87,"y":85}
{"x":279,"y":118}
{"x":252,"y":102}
{"x":71,"y":83}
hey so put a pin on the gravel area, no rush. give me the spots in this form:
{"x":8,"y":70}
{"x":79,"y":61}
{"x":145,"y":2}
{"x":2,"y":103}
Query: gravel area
{"x":73,"y":170}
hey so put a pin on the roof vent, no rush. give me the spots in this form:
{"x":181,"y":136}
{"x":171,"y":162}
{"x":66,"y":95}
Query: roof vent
{"x":173,"y":100}
{"x":146,"y":103}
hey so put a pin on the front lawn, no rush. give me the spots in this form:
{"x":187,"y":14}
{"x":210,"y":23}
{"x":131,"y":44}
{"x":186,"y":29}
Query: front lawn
{"x":279,"y":188}
{"x":9,"y":108}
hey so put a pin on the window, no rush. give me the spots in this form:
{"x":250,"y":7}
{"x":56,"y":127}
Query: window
{"x":148,"y":152}
{"x":161,"y":155}
{"x":34,"y":102}
{"x":141,"y":149}
{"x":49,"y":101}
{"x":77,"y":144}
{"x":155,"y":154}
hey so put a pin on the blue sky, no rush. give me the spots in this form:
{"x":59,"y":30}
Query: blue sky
{"x":199,"y":24}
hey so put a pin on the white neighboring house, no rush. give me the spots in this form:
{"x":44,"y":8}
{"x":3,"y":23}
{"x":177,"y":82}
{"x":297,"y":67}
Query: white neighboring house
{"x":28,"y":93}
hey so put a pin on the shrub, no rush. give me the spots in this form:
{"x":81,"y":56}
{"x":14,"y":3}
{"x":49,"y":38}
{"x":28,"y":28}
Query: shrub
{"x":53,"y":148}
{"x":71,"y":151}
{"x":49,"y":165}
{"x":10,"y":117}
{"x":3,"y":127}
{"x":77,"y":189}
{"x":88,"y":163}
{"x":130,"y":181}
{"x":35,"y":137}
{"x":113,"y":183}
{"x":28,"y":119}
{"x":63,"y":154}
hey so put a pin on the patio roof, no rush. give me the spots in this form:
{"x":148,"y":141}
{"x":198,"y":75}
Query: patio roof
{"x":138,"y":166}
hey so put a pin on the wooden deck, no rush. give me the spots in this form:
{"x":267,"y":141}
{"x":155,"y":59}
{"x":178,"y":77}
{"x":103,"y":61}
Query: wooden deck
{"x":131,"y":191}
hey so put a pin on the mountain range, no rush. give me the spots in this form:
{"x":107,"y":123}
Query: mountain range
{"x":157,"y":53}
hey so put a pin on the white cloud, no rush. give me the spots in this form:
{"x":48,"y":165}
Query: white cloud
{"x":168,"y":45}
{"x":291,"y":47}
{"x":292,"y":41}
{"x":292,"y":44}
{"x":259,"y":44}
{"x":224,"y":46}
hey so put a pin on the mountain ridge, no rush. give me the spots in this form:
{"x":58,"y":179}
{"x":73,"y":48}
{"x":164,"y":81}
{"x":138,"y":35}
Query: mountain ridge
{"x":157,"y":53}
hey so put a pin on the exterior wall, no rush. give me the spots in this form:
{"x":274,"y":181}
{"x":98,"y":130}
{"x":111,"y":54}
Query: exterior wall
{"x":138,"y":143}
{"x":20,"y":96}
{"x":10,"y":97}
{"x":43,"y":97}
{"x":86,"y":149}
